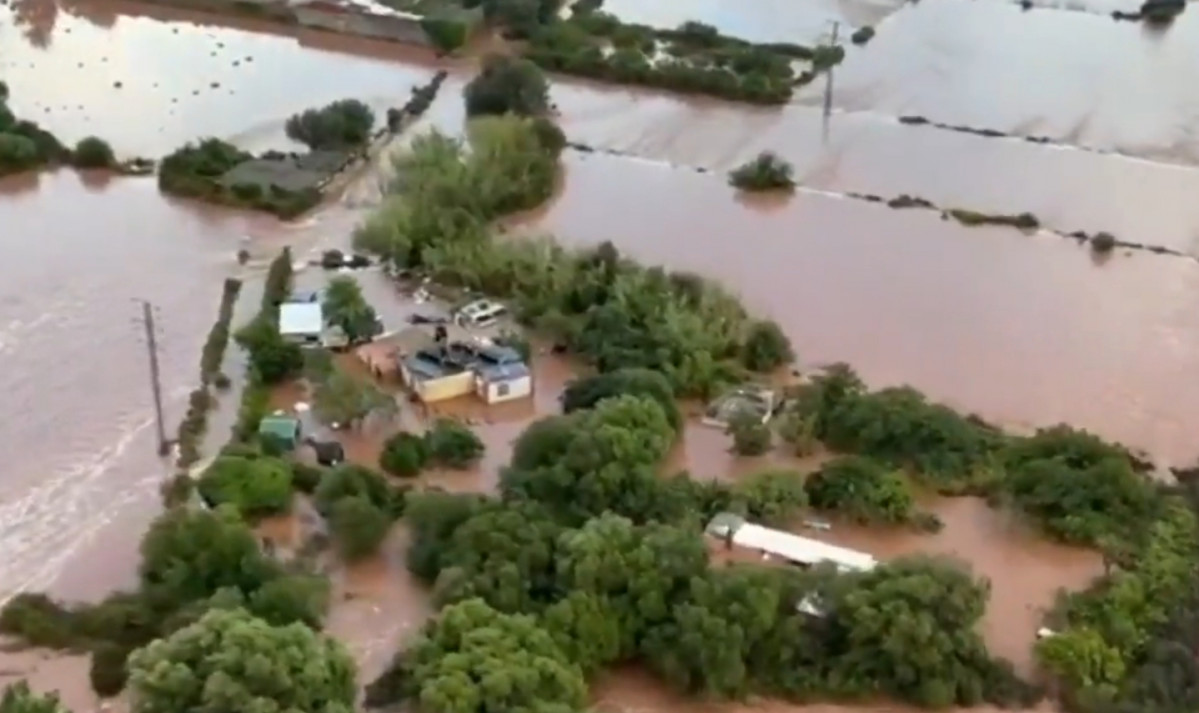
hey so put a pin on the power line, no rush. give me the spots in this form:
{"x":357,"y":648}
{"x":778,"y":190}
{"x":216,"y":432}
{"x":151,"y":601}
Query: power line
{"x":155,"y":377}
{"x":828,"y":86}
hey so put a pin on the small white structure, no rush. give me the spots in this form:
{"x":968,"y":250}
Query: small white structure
{"x":508,"y":381}
{"x":304,"y":323}
{"x":301,"y":322}
{"x":798,"y":550}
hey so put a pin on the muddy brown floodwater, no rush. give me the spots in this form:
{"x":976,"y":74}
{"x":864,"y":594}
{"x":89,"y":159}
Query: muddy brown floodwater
{"x":1025,"y":330}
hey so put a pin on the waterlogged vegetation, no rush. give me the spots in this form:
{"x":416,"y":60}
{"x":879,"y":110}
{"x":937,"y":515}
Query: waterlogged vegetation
{"x":694,"y":58}
{"x":587,"y":557}
{"x":25,"y":146}
{"x":195,"y":422}
{"x":765,"y":172}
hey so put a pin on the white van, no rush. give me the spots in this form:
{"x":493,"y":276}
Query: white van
{"x":480,"y":314}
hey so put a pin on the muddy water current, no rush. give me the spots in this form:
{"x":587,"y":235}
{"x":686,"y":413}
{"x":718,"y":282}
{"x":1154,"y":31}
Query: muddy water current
{"x":1023,"y":329}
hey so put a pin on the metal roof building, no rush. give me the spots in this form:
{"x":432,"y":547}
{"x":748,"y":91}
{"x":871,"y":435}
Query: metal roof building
{"x":800,"y":550}
{"x":301,"y":319}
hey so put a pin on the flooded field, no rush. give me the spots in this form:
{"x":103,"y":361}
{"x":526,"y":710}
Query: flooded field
{"x":1026,"y":330}
{"x":1021,"y":329}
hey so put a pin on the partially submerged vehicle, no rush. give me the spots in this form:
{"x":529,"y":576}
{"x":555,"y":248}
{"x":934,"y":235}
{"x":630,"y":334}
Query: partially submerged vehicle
{"x":480,"y":314}
{"x":758,"y":401}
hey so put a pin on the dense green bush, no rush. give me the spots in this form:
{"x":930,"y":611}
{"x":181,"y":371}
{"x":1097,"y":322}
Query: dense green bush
{"x":507,"y":85}
{"x":107,"y":672}
{"x":345,"y":123}
{"x":256,"y":487}
{"x":17,"y":698}
{"x":766,"y":347}
{"x":446,"y":32}
{"x":862,"y":35}
{"x":586,"y":392}
{"x":404,"y":454}
{"x":863,"y":490}
{"x":766,"y":172}
{"x":93,"y":152}
{"x":358,"y":526}
{"x":751,"y":437}
{"x":452,"y":444}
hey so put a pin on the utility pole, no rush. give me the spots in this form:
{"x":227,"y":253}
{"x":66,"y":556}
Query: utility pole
{"x":828,"y":85}
{"x":155,"y":380}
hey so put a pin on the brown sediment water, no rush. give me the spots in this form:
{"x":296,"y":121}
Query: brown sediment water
{"x":1024,"y":569}
{"x":1022,"y":329}
{"x":634,"y":691}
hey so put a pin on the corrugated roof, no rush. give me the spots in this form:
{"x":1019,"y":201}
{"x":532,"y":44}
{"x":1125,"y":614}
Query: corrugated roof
{"x":800,"y":549}
{"x":503,"y":372}
{"x":283,"y":427}
{"x":296,"y":318}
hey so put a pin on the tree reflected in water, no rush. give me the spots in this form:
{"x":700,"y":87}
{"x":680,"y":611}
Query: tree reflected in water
{"x":36,"y":18}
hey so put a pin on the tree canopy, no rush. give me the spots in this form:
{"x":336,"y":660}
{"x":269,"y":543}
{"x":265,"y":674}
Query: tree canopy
{"x":342,"y":124}
{"x":507,"y":85}
{"x":17,"y":698}
{"x":255,"y":486}
{"x":231,"y":660}
{"x":345,"y":307}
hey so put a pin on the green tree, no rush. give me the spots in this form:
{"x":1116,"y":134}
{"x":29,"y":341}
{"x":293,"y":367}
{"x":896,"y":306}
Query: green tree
{"x":452,"y":444}
{"x":230,"y":660}
{"x":770,"y":497}
{"x":107,"y":672}
{"x":351,"y":480}
{"x":507,"y":85}
{"x":93,"y":152}
{"x":751,"y":437}
{"x":1082,"y":659}
{"x":910,"y":627}
{"x":404,"y":454}
{"x":255,"y":486}
{"x":473,"y":659}
{"x":345,"y":401}
{"x":274,"y":358}
{"x":358,"y":527}
{"x":863,"y":489}
{"x":503,"y":554}
{"x":302,"y":598}
{"x":586,"y":392}
{"x":18,"y":698}
{"x":433,"y":517}
{"x":707,"y":642}
{"x":345,"y":307}
{"x":187,"y":555}
{"x":766,"y":347}
{"x":342,"y":124}
{"x":765,"y":172}
{"x":17,"y":153}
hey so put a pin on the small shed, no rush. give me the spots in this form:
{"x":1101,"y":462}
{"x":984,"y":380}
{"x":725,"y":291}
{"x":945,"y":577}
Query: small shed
{"x":301,"y":322}
{"x":497,"y":383}
{"x":281,"y":428}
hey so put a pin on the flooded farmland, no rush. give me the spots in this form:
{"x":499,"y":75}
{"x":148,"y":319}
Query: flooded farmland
{"x":1023,"y":329}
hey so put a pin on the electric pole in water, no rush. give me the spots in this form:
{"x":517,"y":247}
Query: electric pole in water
{"x":828,"y":85}
{"x":155,"y":382}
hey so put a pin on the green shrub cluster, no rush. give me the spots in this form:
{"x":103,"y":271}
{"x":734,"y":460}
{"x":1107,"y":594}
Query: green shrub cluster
{"x":195,"y":171}
{"x":448,"y":444}
{"x":614,"y":312}
{"x":195,"y":422}
{"x":343,"y":124}
{"x":766,"y":172}
{"x":693,"y":59}
{"x":590,"y":559}
{"x":360,"y":506}
{"x":867,"y":492}
{"x":192,"y":561}
{"x":24,"y":145}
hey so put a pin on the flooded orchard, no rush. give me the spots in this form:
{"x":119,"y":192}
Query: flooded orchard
{"x":1023,"y":329}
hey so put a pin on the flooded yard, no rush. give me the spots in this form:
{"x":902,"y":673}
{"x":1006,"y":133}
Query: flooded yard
{"x":1024,"y":329}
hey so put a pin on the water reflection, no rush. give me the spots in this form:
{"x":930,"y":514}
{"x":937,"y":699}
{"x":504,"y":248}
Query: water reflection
{"x":1082,"y":78}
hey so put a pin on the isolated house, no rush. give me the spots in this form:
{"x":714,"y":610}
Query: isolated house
{"x":439,"y":371}
{"x":735,"y":531}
